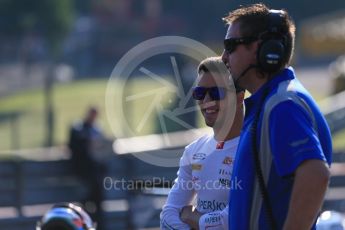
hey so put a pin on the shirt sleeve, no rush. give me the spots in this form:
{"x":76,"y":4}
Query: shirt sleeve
{"x":181,"y":194}
{"x":293,"y":138}
{"x":217,"y":220}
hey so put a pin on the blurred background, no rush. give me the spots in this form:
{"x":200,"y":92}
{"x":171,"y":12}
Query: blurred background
{"x":56,"y":58}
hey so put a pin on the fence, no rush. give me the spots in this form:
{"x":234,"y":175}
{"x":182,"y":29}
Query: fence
{"x":28,"y":187}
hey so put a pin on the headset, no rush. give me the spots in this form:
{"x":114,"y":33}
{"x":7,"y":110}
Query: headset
{"x":270,"y":56}
{"x":271,"y":50}
{"x":66,"y":216}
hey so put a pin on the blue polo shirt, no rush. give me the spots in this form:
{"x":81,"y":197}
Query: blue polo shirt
{"x":295,"y":135}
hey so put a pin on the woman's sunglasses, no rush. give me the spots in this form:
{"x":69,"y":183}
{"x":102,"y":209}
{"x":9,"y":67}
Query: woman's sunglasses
{"x":215,"y":93}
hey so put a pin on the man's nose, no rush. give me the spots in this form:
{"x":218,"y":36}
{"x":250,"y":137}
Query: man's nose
{"x":225,"y":56}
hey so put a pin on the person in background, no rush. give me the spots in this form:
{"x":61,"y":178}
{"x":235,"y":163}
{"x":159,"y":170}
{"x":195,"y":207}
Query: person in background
{"x":84,"y":136}
{"x":285,"y":149}
{"x":206,"y":164}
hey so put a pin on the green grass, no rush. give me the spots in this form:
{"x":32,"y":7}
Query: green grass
{"x":338,"y":141}
{"x":70,"y":103}
{"x":30,"y":122}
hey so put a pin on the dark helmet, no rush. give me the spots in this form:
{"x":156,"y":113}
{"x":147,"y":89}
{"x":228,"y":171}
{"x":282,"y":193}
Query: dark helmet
{"x":66,"y":216}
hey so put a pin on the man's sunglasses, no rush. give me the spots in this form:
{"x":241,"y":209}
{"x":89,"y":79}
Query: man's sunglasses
{"x":230,"y":44}
{"x":215,"y":93}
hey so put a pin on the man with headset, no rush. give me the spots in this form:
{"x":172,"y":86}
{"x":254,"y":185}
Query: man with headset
{"x":285,"y":148}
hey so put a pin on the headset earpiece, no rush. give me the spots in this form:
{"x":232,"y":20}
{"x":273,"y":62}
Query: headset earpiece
{"x":271,"y":50}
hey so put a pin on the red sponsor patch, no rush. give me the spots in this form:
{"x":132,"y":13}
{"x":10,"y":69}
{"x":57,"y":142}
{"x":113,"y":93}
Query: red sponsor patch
{"x":220,"y":145}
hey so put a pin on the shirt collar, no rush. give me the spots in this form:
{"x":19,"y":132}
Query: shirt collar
{"x":253,"y":101}
{"x":224,"y":144}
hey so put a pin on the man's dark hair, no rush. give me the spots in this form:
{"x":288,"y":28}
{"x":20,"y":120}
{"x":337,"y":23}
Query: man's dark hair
{"x":254,"y":21}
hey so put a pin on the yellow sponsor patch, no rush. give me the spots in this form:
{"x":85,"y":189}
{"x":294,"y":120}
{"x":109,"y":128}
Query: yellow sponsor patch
{"x":196,"y":167}
{"x":227,"y":160}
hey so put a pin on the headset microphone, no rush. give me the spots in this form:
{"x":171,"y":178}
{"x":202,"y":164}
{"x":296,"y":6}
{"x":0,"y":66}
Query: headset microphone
{"x":244,"y":73}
